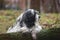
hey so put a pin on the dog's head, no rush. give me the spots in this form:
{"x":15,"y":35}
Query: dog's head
{"x":29,"y":18}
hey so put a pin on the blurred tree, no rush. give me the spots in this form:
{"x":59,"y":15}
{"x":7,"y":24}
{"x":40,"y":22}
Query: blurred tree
{"x":40,"y":5}
{"x":58,"y":5}
{"x":35,"y":4}
{"x":53,"y":6}
{"x":1,"y":4}
{"x":50,"y":5}
{"x":45,"y":5}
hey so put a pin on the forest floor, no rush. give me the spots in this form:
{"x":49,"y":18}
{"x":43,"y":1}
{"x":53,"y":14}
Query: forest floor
{"x":8,"y":18}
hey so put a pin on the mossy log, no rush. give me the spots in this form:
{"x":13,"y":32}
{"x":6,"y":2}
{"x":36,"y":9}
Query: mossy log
{"x":45,"y":34}
{"x":16,"y":36}
{"x":49,"y":34}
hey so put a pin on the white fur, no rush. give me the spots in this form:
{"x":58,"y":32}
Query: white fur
{"x":16,"y":27}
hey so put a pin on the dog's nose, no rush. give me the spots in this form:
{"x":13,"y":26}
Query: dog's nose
{"x":39,"y":16}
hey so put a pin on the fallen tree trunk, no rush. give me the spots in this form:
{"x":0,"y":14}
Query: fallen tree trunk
{"x":45,"y":34}
{"x":50,"y":34}
{"x":16,"y":36}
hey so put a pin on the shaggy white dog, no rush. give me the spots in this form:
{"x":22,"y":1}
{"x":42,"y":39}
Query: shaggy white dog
{"x":27,"y":22}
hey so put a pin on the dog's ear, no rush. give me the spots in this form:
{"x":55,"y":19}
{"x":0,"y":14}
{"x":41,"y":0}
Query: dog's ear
{"x":19,"y":18}
{"x":21,"y":23}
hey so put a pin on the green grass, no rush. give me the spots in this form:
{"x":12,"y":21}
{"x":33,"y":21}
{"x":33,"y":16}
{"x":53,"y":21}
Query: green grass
{"x":49,"y":20}
{"x":8,"y":17}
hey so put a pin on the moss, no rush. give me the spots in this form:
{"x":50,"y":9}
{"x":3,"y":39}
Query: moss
{"x":16,"y":36}
{"x":45,"y":34}
{"x":49,"y":34}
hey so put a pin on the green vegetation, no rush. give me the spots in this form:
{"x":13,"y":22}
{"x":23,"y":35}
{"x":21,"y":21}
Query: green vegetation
{"x":8,"y":17}
{"x":50,"y":20}
{"x":45,"y":34}
{"x":49,"y":34}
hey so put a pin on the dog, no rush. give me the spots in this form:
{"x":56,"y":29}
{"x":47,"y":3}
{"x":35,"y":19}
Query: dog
{"x":28,"y":21}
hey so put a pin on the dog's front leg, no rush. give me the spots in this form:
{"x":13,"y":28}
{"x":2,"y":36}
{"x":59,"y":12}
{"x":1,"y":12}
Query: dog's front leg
{"x":34,"y":35}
